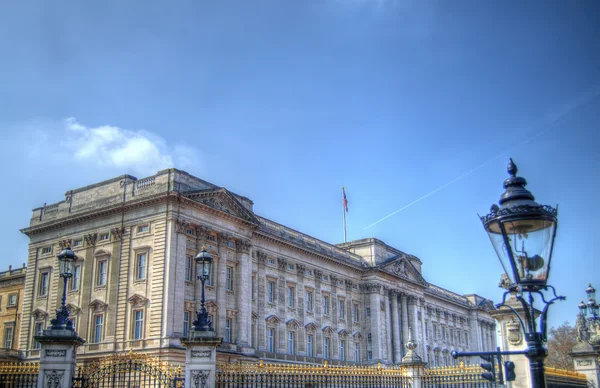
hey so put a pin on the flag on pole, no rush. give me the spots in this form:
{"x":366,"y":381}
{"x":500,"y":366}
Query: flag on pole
{"x":345,"y":204}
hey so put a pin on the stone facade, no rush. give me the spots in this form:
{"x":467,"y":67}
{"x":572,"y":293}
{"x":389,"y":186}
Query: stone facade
{"x":275,"y":293}
{"x":12,"y":285}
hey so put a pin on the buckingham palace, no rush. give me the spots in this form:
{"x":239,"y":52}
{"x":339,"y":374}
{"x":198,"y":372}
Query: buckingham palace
{"x":275,"y":293}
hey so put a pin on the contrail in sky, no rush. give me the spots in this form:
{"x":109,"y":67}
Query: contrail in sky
{"x":580,"y":101}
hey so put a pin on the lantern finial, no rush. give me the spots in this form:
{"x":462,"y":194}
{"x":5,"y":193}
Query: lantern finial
{"x":512,"y":168}
{"x":515,"y":186}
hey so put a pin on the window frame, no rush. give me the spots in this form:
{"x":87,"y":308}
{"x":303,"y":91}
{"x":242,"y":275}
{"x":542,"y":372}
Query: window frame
{"x":144,"y":228}
{"x":271,"y":287}
{"x":309,"y":301}
{"x":139,"y":276}
{"x":341,"y":308}
{"x":104,"y":237}
{"x":355,"y":310}
{"x":227,"y":337}
{"x":271,"y":333}
{"x":75,"y":280}
{"x":16,"y":301}
{"x":37,"y":332}
{"x":326,"y":305}
{"x":229,"y":278}
{"x":342,"y":349}
{"x":7,"y":341}
{"x":186,"y":323}
{"x":309,"y":345}
{"x":137,"y":332}
{"x":98,"y":335}
{"x":101,"y":263}
{"x":356,"y":352}
{"x":46,"y":251}
{"x":291,"y":296}
{"x":189,"y":268}
{"x":326,"y":349}
{"x":43,"y":283}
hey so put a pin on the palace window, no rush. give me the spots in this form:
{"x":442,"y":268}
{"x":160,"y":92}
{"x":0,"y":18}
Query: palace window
{"x":186,"y":323}
{"x":188,"y":268}
{"x":271,"y":292}
{"x":210,"y":237}
{"x":435,"y":331}
{"x":143,"y":228}
{"x":43,"y":285}
{"x":98,"y":326}
{"x":369,"y":338}
{"x":38,"y":330}
{"x":369,"y":355}
{"x":12,"y":300}
{"x":291,"y":342}
{"x":290,"y":296}
{"x":105,"y":237}
{"x":343,"y":350}
{"x":8,"y":337}
{"x":309,"y":301}
{"x":290,"y":267}
{"x":309,"y":345}
{"x":341,"y":312}
{"x":74,"y":323}
{"x":77,"y":243}
{"x":230,"y":244}
{"x":101,"y":272}
{"x":356,"y":352}
{"x":426,"y":329}
{"x":367,"y":312}
{"x":326,"y":347}
{"x":138,"y":329}
{"x":325,"y":305}
{"x":46,"y":250}
{"x":75,"y":279}
{"x":355,"y":312}
{"x":228,"y":330}
{"x":229,"y":279}
{"x":140,"y":264}
{"x":271,"y":340}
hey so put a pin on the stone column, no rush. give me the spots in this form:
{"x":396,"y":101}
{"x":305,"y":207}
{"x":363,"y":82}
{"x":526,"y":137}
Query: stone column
{"x":374,"y":300}
{"x":404,"y":307}
{"x":388,"y":352}
{"x":200,"y":359}
{"x":261,"y":299}
{"x":58,"y":358}
{"x":397,"y":342}
{"x":243,"y":295}
{"x":585,"y":360}
{"x":318,"y":311}
{"x":413,"y":321}
{"x":221,"y":286}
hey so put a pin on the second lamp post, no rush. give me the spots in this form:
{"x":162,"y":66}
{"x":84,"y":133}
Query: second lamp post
{"x":203,"y":266}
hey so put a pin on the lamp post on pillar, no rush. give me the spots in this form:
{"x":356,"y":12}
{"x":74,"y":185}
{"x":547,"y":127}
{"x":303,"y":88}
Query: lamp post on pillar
{"x":522,"y":233}
{"x":200,"y":354}
{"x":59,"y":342}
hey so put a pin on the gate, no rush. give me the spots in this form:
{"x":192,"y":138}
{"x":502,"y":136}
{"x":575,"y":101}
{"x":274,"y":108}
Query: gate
{"x":131,"y":370}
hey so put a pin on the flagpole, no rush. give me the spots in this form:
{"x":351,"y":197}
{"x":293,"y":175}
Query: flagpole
{"x":344,"y":213}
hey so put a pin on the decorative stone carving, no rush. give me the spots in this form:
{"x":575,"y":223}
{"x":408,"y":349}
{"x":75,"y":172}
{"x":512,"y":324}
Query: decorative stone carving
{"x":399,"y":268}
{"x":90,"y":239}
{"x":334,"y":280}
{"x":53,"y":378}
{"x":318,"y":274}
{"x":98,"y":306}
{"x":63,"y":243}
{"x":261,"y":257}
{"x":118,"y":233}
{"x":301,"y":269}
{"x":137,"y":301}
{"x":348,"y":284}
{"x":370,"y":287}
{"x":201,"y":353}
{"x":281,"y":263}
{"x":223,"y":239}
{"x":73,"y":309}
{"x":243,"y":246}
{"x":181,"y":226}
{"x":39,"y":314}
{"x":584,"y":362}
{"x":55,"y":352}
{"x":200,"y":378}
{"x":583,"y":332}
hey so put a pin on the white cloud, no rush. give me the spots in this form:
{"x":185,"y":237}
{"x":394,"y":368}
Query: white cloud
{"x":135,"y":151}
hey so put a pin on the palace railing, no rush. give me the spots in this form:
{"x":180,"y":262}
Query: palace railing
{"x":455,"y":377}
{"x":559,"y":378}
{"x":306,"y":375}
{"x":19,"y":374}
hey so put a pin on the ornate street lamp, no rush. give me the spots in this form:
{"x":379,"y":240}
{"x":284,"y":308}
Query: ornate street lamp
{"x":522,"y":233}
{"x":589,"y":331}
{"x":66,"y":260}
{"x":203,"y":265}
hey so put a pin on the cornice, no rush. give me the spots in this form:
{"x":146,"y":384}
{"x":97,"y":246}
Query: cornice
{"x":268,"y":237}
{"x":98,"y":213}
{"x":219,"y":213}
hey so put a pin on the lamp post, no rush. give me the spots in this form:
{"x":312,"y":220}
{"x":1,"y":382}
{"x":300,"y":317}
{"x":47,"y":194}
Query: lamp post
{"x":522,"y":233}
{"x":590,"y":311}
{"x":66,"y":259}
{"x":203,"y":264}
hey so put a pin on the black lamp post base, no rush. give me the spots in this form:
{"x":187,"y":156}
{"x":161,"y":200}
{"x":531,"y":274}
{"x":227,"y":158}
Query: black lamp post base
{"x":62,"y":321}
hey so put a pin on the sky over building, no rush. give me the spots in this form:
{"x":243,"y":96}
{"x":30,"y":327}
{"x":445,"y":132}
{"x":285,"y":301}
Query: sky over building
{"x":412,"y":105}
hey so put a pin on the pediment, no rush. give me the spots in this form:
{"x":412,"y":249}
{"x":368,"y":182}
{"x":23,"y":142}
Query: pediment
{"x":272,"y":320}
{"x":402,"y":267}
{"x":98,"y":306}
{"x":224,"y":201}
{"x":343,"y":333}
{"x":39,"y":314}
{"x":292,"y":324}
{"x":310,"y":326}
{"x":357,"y":335}
{"x":137,"y":300}
{"x":327,"y":330}
{"x":73,"y":309}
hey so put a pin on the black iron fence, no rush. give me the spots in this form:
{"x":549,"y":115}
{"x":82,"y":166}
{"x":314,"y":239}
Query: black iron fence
{"x":306,"y":376}
{"x":19,"y":374}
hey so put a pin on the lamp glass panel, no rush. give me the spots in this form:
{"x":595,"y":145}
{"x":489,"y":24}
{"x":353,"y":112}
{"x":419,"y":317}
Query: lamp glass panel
{"x":531,"y":242}
{"x":206,"y":268}
{"x":501,"y":250}
{"x":65,"y":267}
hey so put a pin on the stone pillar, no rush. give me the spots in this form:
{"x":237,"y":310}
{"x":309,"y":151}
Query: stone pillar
{"x":221,"y":286}
{"x":260,"y":301}
{"x":243,"y":296}
{"x":397,"y":342}
{"x":511,"y":338}
{"x":374,"y":300}
{"x":404,"y":307}
{"x":200,"y":359}
{"x":415,"y":367}
{"x":585,"y":360}
{"x":58,"y":358}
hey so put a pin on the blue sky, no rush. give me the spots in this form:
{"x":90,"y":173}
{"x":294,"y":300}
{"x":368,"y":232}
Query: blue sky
{"x":286,"y":101}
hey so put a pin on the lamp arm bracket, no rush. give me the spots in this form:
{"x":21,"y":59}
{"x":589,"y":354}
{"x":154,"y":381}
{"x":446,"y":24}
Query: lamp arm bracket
{"x":529,"y":315}
{"x":543,"y":325}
